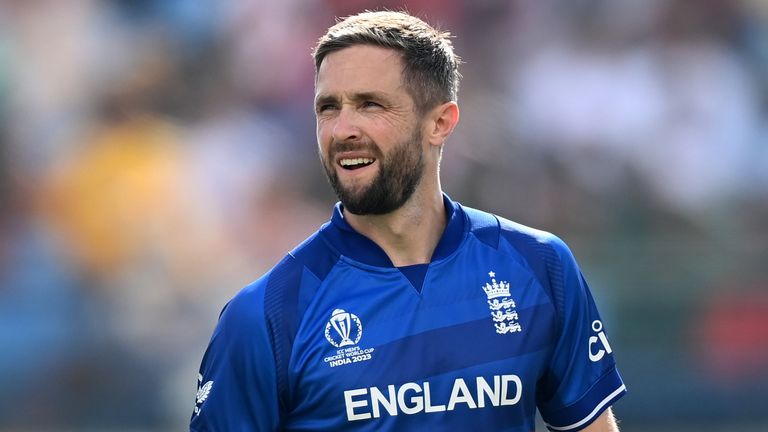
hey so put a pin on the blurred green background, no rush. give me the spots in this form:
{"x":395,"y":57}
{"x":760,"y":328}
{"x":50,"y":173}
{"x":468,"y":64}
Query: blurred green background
{"x":156,"y":156}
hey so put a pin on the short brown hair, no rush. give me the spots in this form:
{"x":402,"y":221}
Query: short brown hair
{"x":430,"y":71}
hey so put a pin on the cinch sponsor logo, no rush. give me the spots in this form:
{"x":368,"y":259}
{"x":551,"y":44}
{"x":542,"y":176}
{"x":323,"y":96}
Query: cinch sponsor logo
{"x":413,"y":398}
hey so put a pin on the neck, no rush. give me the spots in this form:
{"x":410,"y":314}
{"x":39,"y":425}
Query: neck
{"x":408,"y":235}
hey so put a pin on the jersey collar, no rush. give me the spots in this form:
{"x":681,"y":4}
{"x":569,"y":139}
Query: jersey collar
{"x":354,"y":245}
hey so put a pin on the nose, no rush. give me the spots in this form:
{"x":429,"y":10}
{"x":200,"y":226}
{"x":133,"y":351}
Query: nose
{"x":345,"y":127}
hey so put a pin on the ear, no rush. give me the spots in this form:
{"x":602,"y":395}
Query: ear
{"x":441,"y":121}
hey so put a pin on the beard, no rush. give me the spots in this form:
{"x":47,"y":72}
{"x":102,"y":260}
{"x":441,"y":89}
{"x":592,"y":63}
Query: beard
{"x":400,"y":172}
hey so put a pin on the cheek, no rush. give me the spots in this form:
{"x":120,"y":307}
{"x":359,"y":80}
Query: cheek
{"x":323,"y":137}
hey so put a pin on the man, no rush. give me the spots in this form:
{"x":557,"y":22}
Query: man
{"x":407,"y":310}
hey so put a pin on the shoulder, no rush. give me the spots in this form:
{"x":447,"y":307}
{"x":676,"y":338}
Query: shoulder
{"x":546,"y":256}
{"x":546,"y":245}
{"x":498,"y":231}
{"x":309,"y":261}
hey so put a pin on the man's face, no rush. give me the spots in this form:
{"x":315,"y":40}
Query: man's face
{"x":368,"y":132}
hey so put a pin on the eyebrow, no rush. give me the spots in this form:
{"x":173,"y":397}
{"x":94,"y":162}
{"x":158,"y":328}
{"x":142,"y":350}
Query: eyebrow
{"x":356,"y":97}
{"x":321,"y":100}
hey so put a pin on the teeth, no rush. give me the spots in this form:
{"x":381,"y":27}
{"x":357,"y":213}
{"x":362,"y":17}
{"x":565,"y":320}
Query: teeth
{"x":356,"y":161}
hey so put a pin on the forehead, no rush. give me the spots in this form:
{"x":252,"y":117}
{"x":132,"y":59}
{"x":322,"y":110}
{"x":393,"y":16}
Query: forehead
{"x":360,"y":68}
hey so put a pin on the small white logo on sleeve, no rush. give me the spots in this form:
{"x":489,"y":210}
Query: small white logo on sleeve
{"x":203,"y":390}
{"x":597,"y":327}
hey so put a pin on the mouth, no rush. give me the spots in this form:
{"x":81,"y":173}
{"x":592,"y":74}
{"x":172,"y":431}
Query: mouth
{"x":352,"y":164}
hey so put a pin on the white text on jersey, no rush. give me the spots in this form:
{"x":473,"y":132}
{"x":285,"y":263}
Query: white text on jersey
{"x":413,"y":398}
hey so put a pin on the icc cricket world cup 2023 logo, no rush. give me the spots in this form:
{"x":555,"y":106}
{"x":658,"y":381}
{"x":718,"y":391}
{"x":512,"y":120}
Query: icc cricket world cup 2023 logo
{"x":347,"y":329}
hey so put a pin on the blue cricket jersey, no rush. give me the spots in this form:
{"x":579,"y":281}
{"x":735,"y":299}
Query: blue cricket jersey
{"x":500,"y":323}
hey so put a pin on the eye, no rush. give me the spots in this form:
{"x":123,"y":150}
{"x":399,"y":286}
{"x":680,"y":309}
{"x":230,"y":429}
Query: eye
{"x":371,"y":104}
{"x":325,"y":107}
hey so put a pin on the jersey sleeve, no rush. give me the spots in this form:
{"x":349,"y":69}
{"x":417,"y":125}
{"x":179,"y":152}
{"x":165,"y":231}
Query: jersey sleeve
{"x":582,"y":380}
{"x":237,"y":383}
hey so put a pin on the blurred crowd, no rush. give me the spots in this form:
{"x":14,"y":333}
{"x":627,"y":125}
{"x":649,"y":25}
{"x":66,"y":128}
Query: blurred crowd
{"x":156,"y":156}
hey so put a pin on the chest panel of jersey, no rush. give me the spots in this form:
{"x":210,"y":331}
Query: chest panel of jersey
{"x":443,"y":356}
